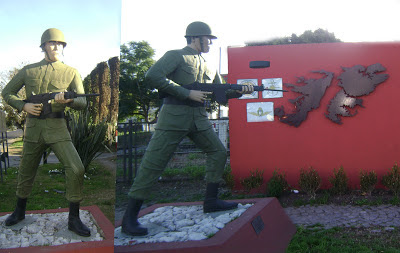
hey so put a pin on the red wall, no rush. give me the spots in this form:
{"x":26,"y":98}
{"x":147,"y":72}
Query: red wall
{"x":370,"y":140}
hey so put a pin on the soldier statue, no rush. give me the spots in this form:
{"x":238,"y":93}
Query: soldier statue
{"x":49,"y":130}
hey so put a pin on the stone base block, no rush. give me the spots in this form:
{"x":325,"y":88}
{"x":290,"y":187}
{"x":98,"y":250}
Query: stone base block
{"x":104,"y":246}
{"x":264,"y":227}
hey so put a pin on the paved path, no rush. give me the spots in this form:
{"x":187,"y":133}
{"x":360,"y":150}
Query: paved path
{"x":14,"y":134}
{"x":14,"y":159}
{"x":329,"y":216}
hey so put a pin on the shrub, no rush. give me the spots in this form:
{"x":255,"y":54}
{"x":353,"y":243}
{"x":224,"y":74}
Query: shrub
{"x":392,"y":180}
{"x":277,"y":185}
{"x":191,"y":172}
{"x":194,"y":156}
{"x":88,"y":138}
{"x":310,"y":182}
{"x":339,"y":182}
{"x":254,"y":181}
{"x":195,"y":172}
{"x":368,"y":181}
{"x":171,"y":172}
{"x":228,"y":177}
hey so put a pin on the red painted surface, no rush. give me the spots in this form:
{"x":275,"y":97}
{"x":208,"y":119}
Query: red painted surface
{"x":370,"y":140}
{"x":237,"y":236}
{"x":105,"y":246}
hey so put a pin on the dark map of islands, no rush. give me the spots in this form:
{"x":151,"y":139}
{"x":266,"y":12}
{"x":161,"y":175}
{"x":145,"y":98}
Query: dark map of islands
{"x":313,"y":91}
{"x":356,"y":81}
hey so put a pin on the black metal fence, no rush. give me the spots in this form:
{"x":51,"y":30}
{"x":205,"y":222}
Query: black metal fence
{"x":4,"y":159}
{"x":133,"y":138}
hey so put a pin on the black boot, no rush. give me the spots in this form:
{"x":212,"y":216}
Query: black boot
{"x":74,"y":222}
{"x":130,"y":224}
{"x":212,"y":203}
{"x":18,"y":214}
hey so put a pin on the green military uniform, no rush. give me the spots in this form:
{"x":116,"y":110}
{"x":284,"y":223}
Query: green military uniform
{"x":44,"y":77}
{"x":180,"y":117}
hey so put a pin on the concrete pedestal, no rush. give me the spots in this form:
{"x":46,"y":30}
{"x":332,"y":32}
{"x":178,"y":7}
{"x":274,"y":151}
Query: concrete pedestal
{"x":264,"y":227}
{"x":104,"y":246}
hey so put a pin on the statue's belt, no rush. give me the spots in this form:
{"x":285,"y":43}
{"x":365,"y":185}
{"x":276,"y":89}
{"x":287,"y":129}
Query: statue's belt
{"x":173,"y":101}
{"x":49,"y":115}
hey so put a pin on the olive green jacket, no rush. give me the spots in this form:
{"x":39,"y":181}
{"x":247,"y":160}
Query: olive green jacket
{"x":44,"y":77}
{"x":176,"y":68}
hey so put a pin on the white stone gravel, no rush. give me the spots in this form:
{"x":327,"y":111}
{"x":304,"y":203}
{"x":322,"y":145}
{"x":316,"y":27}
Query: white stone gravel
{"x":49,"y":229}
{"x":179,"y":223}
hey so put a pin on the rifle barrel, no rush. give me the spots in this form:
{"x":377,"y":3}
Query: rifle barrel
{"x":87,"y":95}
{"x":262,"y":88}
{"x":276,"y":90}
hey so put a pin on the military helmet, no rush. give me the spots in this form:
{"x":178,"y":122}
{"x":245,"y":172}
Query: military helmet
{"x":199,"y":29}
{"x":53,"y":34}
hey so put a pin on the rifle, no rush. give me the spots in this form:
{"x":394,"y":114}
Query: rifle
{"x":220,"y":89}
{"x":45,"y":98}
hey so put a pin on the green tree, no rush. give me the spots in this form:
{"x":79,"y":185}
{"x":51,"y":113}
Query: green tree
{"x":136,"y":98}
{"x":13,"y":117}
{"x":318,"y":36}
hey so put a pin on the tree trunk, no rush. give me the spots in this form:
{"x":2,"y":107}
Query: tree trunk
{"x":114,"y":103}
{"x":105,"y":81}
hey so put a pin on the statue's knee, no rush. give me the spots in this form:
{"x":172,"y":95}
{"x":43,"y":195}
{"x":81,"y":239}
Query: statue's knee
{"x":78,"y":170}
{"x":222,"y":155}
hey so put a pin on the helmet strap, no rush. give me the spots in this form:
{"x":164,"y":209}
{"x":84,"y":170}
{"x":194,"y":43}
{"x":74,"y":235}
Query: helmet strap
{"x":47,"y":57}
{"x":201,"y":44}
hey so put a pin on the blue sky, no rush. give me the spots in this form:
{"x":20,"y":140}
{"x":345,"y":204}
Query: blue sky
{"x":91,"y":28}
{"x":94,"y":29}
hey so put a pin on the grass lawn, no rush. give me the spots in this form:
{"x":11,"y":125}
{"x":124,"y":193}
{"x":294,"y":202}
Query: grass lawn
{"x":49,"y":189}
{"x":343,"y":240}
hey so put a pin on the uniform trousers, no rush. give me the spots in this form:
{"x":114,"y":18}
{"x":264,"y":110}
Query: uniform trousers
{"x":66,"y":154}
{"x":162,"y":147}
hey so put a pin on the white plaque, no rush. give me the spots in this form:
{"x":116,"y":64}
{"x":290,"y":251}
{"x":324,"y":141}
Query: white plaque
{"x":260,"y":112}
{"x":273,"y":84}
{"x":247,"y":82}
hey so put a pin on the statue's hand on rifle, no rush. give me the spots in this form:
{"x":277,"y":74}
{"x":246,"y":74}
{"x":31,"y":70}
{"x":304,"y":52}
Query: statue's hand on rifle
{"x":34,"y":109}
{"x":198,"y":95}
{"x":246,"y":89}
{"x":59,"y":98}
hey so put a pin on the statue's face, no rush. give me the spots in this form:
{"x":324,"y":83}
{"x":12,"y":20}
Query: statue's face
{"x":207,"y":41}
{"x":53,"y":50}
